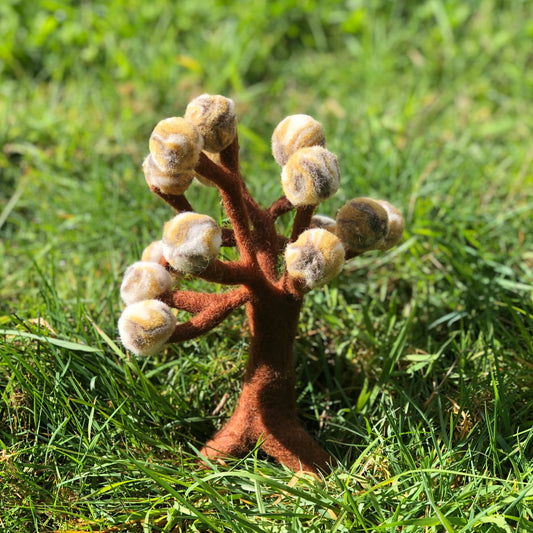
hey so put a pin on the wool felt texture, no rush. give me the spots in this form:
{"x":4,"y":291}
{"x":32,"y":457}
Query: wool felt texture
{"x":272,"y":272}
{"x":266,"y":411}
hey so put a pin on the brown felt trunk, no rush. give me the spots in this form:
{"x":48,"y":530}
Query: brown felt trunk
{"x":266,"y":412}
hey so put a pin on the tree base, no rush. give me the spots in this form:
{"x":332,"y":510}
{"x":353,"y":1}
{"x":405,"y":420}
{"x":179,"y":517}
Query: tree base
{"x":282,"y":438}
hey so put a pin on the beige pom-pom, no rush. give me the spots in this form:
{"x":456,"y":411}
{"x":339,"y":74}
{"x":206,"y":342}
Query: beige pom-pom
{"x":153,"y":252}
{"x":215,"y":117}
{"x":144,"y":281}
{"x":310,"y":176}
{"x":362,"y":224}
{"x":165,"y":182}
{"x":321,"y":221}
{"x":315,"y":258}
{"x":146,"y":326}
{"x":175,"y":145}
{"x":295,"y":132}
{"x":191,"y":241}
{"x":396,"y":226}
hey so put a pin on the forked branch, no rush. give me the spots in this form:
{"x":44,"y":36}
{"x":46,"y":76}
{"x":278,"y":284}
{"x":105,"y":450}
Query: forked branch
{"x":210,"y":316}
{"x":230,"y":186}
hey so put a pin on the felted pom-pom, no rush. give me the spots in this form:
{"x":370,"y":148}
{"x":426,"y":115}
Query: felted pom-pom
{"x":396,"y":226}
{"x":145,"y":326}
{"x":144,"y":281}
{"x":153,"y":252}
{"x":315,"y":258}
{"x":310,"y":176}
{"x":167,"y":183}
{"x":175,"y":145}
{"x":321,"y":221}
{"x":191,"y":241}
{"x":295,"y":132}
{"x":215,"y":117}
{"x":362,"y":223}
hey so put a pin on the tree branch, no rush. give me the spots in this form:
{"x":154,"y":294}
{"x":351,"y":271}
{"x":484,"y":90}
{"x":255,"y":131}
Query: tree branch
{"x":232,"y":191}
{"x":228,"y":237}
{"x":211,"y":316}
{"x":223,"y":272}
{"x":220,"y":176}
{"x":228,"y":272}
{"x":229,"y":157}
{"x":280,"y":207}
{"x":177,"y":201}
{"x":294,"y":287}
{"x":192,"y":301}
{"x":302,"y":220}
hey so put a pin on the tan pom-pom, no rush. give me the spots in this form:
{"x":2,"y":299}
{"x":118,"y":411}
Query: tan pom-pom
{"x":191,"y":241}
{"x":315,"y":258}
{"x":166,"y":183}
{"x":295,"y":132}
{"x":175,"y":145}
{"x":215,"y":117}
{"x":396,"y":226}
{"x":146,"y":326}
{"x":362,"y":224}
{"x":144,"y":281}
{"x":310,"y":176}
{"x":323,"y":222}
{"x":153,"y":252}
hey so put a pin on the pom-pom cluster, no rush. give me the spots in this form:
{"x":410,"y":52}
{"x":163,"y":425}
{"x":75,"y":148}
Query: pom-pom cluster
{"x":209,"y":124}
{"x":190,"y":242}
{"x":310,"y":173}
{"x":364,"y":224}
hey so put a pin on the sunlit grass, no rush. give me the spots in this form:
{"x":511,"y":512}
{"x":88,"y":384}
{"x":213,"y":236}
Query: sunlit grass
{"x":415,"y":368}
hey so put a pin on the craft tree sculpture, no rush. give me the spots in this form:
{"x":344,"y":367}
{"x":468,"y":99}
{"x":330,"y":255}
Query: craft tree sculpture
{"x":204,"y":145}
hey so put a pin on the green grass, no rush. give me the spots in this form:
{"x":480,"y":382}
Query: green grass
{"x":415,"y":368}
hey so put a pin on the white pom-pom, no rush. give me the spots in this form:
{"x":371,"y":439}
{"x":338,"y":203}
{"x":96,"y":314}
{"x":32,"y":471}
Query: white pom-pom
{"x":215,"y":118}
{"x":168,"y":183}
{"x":295,"y":132}
{"x":315,"y":258}
{"x":144,"y":281}
{"x":153,"y":252}
{"x":321,"y":221}
{"x":146,"y":326}
{"x":175,"y":145}
{"x":310,"y":176}
{"x":191,"y":241}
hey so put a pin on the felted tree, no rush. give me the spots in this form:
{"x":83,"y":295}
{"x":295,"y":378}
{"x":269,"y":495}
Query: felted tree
{"x":204,"y":145}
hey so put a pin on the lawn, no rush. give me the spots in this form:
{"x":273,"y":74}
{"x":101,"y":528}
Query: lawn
{"x":415,"y":366}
